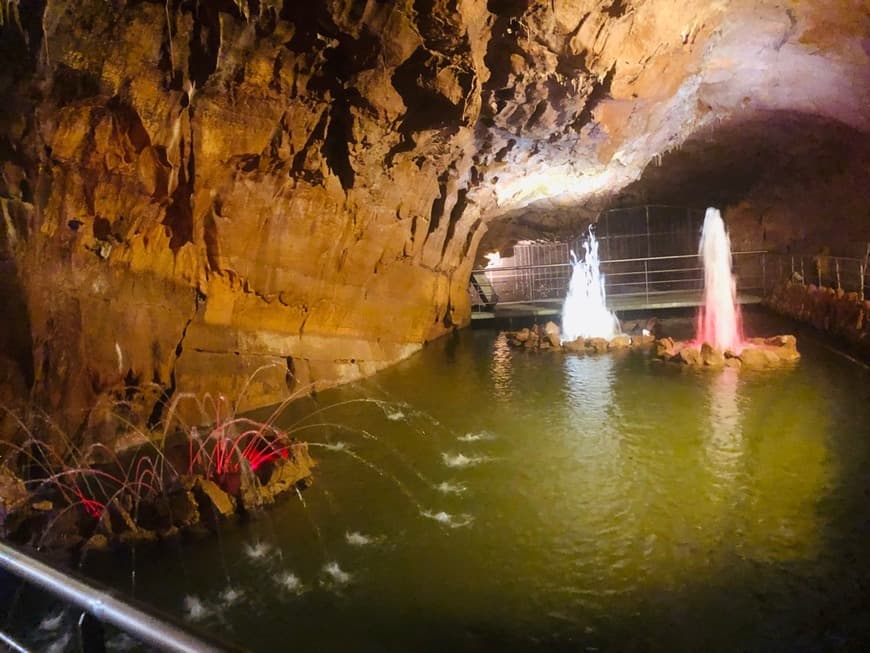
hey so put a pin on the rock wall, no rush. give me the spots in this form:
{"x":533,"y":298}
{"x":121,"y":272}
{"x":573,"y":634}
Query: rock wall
{"x":259,"y":197}
{"x":843,"y":314}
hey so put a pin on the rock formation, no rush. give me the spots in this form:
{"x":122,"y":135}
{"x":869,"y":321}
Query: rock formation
{"x":259,"y":197}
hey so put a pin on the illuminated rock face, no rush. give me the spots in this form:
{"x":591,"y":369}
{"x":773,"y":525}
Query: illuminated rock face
{"x":196,"y":191}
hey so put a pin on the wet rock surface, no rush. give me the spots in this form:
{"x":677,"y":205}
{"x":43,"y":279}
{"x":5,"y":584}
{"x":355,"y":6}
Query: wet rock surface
{"x":756,"y":353}
{"x":50,"y":515}
{"x":841,"y":314}
{"x":547,"y":337}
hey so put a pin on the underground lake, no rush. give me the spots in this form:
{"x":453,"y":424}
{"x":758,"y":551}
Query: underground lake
{"x":476,"y":497}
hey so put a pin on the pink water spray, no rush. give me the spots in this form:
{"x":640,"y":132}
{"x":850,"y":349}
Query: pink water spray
{"x":719,"y":322}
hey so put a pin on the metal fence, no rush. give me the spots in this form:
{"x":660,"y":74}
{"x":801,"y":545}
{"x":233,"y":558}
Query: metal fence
{"x":646,"y":279}
{"x":659,"y":278}
{"x":837,"y":272}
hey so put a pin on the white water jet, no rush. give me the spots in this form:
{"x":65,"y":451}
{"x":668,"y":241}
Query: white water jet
{"x":449,"y":487}
{"x":51,"y":623}
{"x":336,"y":573}
{"x":476,"y":437}
{"x":257,"y":551}
{"x":355,"y":538}
{"x":584,"y":313}
{"x":461,"y":460}
{"x":719,"y":322}
{"x":290,"y":582}
{"x":195,"y":609}
{"x":230,"y":596}
{"x":445,"y":518}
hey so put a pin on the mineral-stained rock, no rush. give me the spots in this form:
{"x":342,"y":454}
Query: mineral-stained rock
{"x":642,"y":341}
{"x":96,"y":542}
{"x":212,"y":500}
{"x":252,"y":494}
{"x":576,"y":346}
{"x":288,"y":472}
{"x":754,"y":357}
{"x":597,"y":345}
{"x":688,"y":356}
{"x":665,"y":348}
{"x":135,"y":536}
{"x":181,"y":507}
{"x":522,"y":335}
{"x":12,"y":491}
{"x":553,"y":334}
{"x":711,"y":357}
{"x":787,"y":341}
{"x":619,"y":342}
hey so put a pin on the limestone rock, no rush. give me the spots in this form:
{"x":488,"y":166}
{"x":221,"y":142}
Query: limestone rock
{"x":182,"y":508}
{"x":13,"y":492}
{"x":553,"y":334}
{"x":642,"y":341}
{"x":619,"y":342}
{"x":576,"y":346}
{"x":96,"y":542}
{"x":213,"y":501}
{"x":689,"y":356}
{"x":597,"y":345}
{"x":754,"y":358}
{"x":665,"y":348}
{"x":712,"y":357}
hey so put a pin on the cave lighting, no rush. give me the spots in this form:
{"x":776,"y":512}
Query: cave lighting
{"x":493,"y":259}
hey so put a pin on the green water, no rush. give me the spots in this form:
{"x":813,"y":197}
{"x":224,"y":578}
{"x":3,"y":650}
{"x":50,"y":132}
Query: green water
{"x":608,"y":503}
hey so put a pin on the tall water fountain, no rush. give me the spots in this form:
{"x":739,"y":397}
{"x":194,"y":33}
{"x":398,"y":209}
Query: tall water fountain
{"x":719,"y":322}
{"x":584,"y":313}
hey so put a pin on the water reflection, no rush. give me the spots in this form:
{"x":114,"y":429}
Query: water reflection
{"x":724,"y":447}
{"x":501,"y":370}
{"x":589,"y":386}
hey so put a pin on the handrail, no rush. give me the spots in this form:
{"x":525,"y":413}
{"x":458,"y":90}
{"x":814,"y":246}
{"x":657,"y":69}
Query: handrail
{"x":652,"y":275}
{"x":100,"y":604}
{"x":607,"y":262}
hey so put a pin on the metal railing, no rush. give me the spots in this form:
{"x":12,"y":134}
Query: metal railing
{"x":99,"y":606}
{"x":657,"y":278}
{"x":838,"y":272}
{"x":643,"y":278}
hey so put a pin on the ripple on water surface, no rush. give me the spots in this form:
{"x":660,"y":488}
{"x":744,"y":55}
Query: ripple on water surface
{"x":623,"y":504}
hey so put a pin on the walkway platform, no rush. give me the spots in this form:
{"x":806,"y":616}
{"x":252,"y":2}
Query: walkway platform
{"x":507,"y":314}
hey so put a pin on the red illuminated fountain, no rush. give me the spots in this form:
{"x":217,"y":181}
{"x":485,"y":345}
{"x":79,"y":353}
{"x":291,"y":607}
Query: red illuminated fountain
{"x":719,"y":321}
{"x":719,"y":339}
